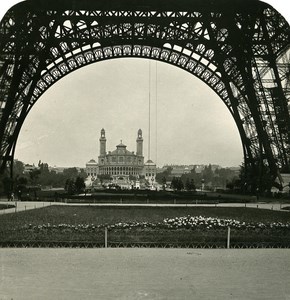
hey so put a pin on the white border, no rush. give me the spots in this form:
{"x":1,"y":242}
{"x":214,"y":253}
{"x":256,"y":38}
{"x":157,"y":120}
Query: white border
{"x":282,"y":6}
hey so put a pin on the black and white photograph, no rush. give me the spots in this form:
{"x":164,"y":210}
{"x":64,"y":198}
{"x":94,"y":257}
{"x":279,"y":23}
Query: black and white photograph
{"x":145,"y":149}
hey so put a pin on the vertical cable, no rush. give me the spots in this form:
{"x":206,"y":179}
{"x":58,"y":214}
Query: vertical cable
{"x":156,"y":111}
{"x":149,"y":129}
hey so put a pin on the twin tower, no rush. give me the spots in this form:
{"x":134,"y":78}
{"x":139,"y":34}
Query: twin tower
{"x":139,"y":141}
{"x":122,"y":163}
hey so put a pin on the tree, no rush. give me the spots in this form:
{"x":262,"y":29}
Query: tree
{"x":165,"y":174}
{"x":177,"y":184}
{"x":83,"y":173}
{"x":207,"y":174}
{"x":70,"y":186}
{"x":43,"y":167}
{"x":34,"y":175}
{"x":21,"y":185}
{"x":189,"y":185}
{"x":79,"y":185}
{"x":18,"y":168}
{"x":7,"y":186}
{"x":70,"y":172}
{"x":104,"y":177}
{"x":163,"y":183}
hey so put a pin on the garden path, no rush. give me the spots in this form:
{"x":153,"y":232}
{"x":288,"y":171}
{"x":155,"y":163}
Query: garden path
{"x":134,"y":274}
{"x":26,"y":205}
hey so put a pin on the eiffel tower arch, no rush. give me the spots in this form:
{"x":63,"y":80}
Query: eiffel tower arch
{"x":239,"y":48}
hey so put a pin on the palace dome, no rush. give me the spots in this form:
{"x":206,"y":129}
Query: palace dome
{"x":150,"y":162}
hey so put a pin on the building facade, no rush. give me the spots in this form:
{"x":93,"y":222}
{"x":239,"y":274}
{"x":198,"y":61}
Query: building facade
{"x":92,"y":168}
{"x":149,"y":172}
{"x":121,"y":163}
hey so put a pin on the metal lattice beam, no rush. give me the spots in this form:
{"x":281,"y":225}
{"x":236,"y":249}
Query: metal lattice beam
{"x":240,"y":49}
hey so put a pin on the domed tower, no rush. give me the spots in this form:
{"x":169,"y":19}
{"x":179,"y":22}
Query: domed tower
{"x":139,"y":141}
{"x":103,"y":143}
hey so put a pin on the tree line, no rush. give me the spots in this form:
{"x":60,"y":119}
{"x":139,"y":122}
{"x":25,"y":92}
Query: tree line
{"x":70,"y":179}
{"x":219,"y":178}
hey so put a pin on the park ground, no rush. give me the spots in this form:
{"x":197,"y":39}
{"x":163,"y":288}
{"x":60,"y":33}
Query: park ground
{"x":262,"y":225}
{"x":145,"y":274}
{"x":138,"y":273}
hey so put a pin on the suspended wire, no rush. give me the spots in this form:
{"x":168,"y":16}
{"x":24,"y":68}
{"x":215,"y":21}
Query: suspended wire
{"x":156,"y":113}
{"x":149,"y":112}
{"x":149,"y":106}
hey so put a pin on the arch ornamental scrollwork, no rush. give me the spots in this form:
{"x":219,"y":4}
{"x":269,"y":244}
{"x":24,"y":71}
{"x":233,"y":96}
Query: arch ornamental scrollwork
{"x":240,"y":49}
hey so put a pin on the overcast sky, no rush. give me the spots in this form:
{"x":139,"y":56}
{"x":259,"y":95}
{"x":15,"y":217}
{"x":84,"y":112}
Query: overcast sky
{"x":193,"y":124}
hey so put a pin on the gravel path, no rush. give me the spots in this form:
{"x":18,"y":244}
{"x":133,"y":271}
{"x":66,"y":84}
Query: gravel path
{"x":144,"y":274}
{"x":27,"y":205}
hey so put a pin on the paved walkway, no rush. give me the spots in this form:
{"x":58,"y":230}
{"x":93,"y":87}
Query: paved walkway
{"x":137,"y":274}
{"x":26,"y":205}
{"x":22,"y":206}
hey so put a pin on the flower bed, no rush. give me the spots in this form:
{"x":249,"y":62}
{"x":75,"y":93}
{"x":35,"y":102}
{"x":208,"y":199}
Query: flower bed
{"x":146,"y":225}
{"x":188,"y":222}
{"x":217,"y":223}
{"x":188,"y":229}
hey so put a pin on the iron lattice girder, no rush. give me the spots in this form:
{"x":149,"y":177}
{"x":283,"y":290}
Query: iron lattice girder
{"x":233,"y":46}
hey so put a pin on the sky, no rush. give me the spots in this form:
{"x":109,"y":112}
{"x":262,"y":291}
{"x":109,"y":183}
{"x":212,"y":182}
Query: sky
{"x":193,"y":124}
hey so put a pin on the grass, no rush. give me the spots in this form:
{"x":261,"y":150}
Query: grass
{"x":142,"y":196}
{"x":109,"y":215}
{"x":11,"y":225}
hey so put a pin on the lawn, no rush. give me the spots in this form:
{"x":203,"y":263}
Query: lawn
{"x":146,"y":224}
